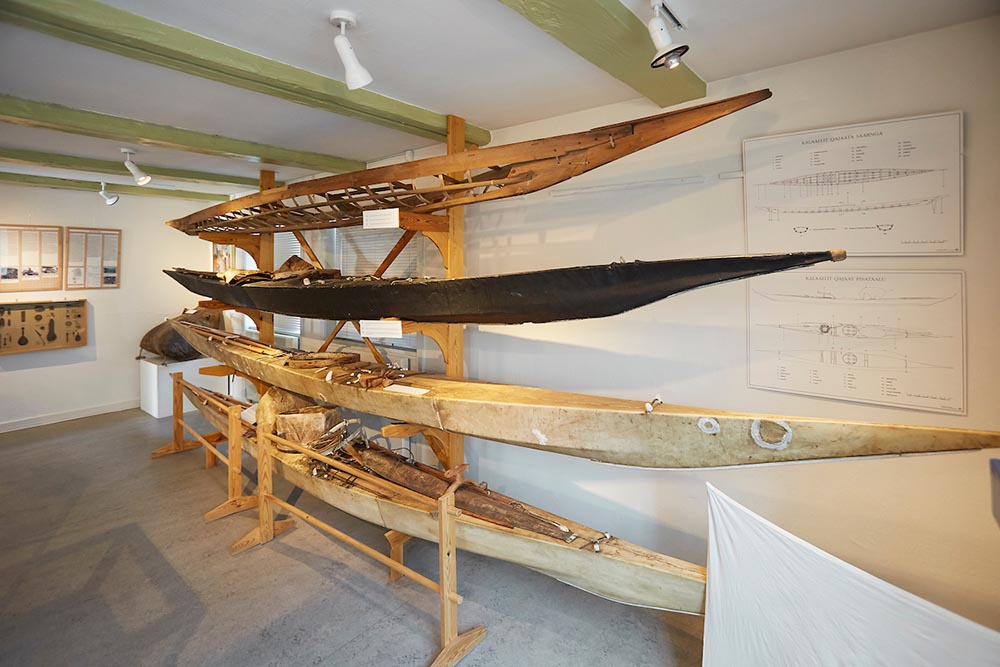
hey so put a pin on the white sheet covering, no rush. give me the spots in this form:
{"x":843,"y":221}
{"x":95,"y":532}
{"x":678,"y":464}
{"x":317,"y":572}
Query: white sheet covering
{"x":776,"y":600}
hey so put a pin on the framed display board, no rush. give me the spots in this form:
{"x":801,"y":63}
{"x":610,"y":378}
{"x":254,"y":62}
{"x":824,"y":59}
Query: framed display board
{"x":30,"y":258}
{"x":894,"y":338}
{"x":30,"y":326}
{"x":892,"y":187}
{"x":93,"y":258}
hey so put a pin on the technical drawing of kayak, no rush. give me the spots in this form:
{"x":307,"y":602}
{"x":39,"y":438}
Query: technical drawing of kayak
{"x":850,"y":177}
{"x":626,"y":432}
{"x":489,"y":173}
{"x":536,"y":296}
{"x":861,"y":359}
{"x":615,"y":569}
{"x":860,"y":330}
{"x":865,"y":297}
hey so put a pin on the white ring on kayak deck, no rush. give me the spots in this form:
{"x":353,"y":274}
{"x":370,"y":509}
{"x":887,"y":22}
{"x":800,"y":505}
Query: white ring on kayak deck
{"x":709,"y":425}
{"x":781,"y":444}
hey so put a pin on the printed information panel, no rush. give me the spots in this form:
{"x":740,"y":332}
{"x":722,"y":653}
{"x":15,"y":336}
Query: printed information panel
{"x":893,"y":338}
{"x":892,"y":187}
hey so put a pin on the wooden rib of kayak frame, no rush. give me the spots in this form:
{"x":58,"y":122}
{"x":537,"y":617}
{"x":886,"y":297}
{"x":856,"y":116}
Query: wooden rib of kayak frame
{"x":447,"y":232}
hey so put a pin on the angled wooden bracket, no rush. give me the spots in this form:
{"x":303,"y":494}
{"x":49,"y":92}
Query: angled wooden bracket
{"x":436,"y":439}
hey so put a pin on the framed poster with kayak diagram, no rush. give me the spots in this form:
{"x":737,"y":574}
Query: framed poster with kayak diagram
{"x":93,"y":258}
{"x":891,"y":187}
{"x":30,"y":258}
{"x":32,"y":326}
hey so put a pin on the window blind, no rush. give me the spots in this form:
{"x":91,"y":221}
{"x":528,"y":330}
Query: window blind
{"x":360,"y":251}
{"x":286,"y":245}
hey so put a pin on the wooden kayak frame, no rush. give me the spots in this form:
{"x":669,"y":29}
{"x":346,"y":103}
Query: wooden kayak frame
{"x":510,"y":170}
{"x":454,"y":645}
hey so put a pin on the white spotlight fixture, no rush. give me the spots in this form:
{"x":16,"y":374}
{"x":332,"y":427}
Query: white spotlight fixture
{"x":355,"y":76}
{"x":667,"y":53}
{"x":109,"y":199}
{"x":141,"y":177}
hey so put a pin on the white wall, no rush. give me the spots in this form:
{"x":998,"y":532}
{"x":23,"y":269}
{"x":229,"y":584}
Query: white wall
{"x":50,"y":386}
{"x":922,"y":523}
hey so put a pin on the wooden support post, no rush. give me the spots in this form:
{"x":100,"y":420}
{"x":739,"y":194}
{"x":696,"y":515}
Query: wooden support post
{"x":455,"y":353}
{"x":454,"y":646}
{"x":447,"y":562}
{"x":265,"y":262}
{"x":267,"y":528}
{"x":178,"y":443}
{"x":266,"y":179}
{"x":235,"y":436}
{"x":265,"y":485}
{"x":178,"y":408}
{"x":235,"y":500}
{"x":396,"y":541}
{"x":210,"y":460}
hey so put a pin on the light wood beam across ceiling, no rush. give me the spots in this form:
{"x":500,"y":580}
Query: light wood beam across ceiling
{"x":114,"y":188}
{"x":127,"y":34}
{"x":92,"y":124}
{"x":56,"y":161}
{"x":609,"y":35}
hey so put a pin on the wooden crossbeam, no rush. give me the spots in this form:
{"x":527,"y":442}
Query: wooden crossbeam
{"x":609,"y":35}
{"x":90,"y":186}
{"x":121,"y":32}
{"x":76,"y":163}
{"x":30,"y":113}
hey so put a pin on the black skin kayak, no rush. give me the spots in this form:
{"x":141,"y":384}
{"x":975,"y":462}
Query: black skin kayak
{"x":550,"y":295}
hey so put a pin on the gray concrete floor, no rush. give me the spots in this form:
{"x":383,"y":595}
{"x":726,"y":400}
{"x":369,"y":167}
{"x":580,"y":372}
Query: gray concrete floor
{"x":106,"y":561}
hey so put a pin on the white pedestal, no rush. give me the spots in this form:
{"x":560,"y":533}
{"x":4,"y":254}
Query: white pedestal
{"x":156,"y":388}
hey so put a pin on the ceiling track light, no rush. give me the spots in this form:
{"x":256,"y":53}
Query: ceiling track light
{"x":109,"y":199}
{"x":141,"y":177}
{"x":668,"y":54}
{"x":355,"y":76}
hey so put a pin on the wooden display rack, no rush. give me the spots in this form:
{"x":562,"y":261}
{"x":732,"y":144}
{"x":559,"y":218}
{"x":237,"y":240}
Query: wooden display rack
{"x":454,"y":646}
{"x":447,"y":233}
{"x":236,"y":501}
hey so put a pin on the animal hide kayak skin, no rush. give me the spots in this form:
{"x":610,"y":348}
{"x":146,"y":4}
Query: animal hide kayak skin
{"x":535,"y":296}
{"x":164,"y":341}
{"x":612,"y":430}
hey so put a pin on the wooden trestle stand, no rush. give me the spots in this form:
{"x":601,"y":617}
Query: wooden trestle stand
{"x":235,"y":501}
{"x":454,"y":646}
{"x":447,"y":233}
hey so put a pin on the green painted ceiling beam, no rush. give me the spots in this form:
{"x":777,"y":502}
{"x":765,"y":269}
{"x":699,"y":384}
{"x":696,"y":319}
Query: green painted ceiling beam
{"x":608,"y":34}
{"x":127,"y":34}
{"x":113,"y":188}
{"x":56,"y":161}
{"x":92,"y":124}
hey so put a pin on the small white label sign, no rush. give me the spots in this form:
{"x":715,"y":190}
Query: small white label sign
{"x":382,"y":328}
{"x":386,"y":218}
